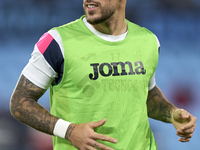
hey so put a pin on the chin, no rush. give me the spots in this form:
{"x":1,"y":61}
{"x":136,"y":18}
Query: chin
{"x":95,"y":20}
{"x":92,"y":20}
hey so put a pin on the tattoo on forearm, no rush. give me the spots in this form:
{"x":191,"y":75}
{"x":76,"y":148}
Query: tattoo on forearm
{"x":70,"y":130}
{"x":25,"y":108}
{"x":158,"y":107}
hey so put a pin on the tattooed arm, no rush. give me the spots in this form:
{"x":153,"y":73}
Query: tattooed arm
{"x":24,"y":106}
{"x":160,"y":109}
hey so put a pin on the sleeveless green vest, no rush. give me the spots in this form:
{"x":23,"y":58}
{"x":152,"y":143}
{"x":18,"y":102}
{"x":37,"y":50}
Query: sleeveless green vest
{"x":104,"y":79}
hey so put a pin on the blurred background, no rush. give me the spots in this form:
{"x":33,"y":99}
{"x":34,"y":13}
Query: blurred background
{"x":175,"y":22}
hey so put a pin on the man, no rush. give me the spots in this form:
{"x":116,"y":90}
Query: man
{"x":99,"y":67}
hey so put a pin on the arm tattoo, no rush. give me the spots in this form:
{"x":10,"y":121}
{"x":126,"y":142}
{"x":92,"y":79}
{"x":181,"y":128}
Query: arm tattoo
{"x":24,"y":107}
{"x":158,"y":107}
{"x":70,"y":130}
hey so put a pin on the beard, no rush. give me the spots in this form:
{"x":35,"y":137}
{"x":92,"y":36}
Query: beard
{"x":105,"y":15}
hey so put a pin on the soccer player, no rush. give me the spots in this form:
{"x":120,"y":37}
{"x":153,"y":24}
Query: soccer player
{"x":101,"y":73}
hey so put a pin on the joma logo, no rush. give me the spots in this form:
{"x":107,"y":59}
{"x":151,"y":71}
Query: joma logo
{"x":113,"y":69}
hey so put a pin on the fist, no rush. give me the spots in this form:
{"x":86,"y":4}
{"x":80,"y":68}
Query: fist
{"x":180,"y":118}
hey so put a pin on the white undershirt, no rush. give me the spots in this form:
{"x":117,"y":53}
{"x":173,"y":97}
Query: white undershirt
{"x":106,"y":37}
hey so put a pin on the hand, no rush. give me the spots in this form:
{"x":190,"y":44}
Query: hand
{"x":83,"y":137}
{"x":184,"y":123}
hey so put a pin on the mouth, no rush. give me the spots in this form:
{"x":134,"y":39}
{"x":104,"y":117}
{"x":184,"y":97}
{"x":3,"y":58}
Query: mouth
{"x":91,"y":7}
